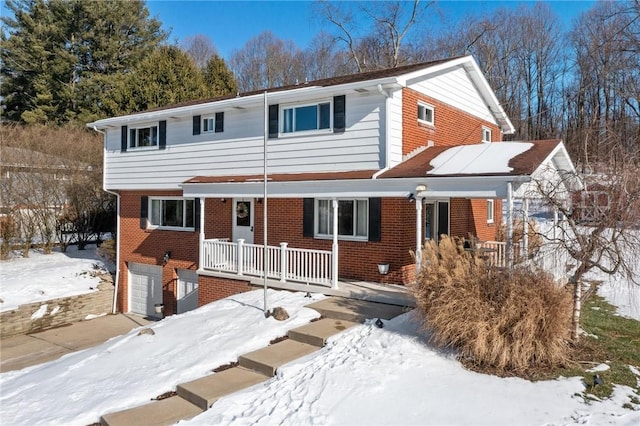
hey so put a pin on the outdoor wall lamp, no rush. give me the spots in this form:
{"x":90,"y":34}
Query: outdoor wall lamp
{"x":167,"y":256}
{"x":411,"y":197}
{"x":224,"y":200}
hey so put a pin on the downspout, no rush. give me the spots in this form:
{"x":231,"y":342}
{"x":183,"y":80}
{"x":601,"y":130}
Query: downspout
{"x":116,"y":279}
{"x":387,"y":120}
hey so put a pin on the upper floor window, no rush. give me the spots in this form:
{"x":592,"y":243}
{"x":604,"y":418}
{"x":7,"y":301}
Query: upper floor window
{"x":143,"y":136}
{"x":486,"y":134}
{"x":306,"y":117}
{"x":213,"y":124}
{"x":172,"y":212}
{"x":490,"y":211}
{"x":426,"y":113}
{"x":353,"y":218}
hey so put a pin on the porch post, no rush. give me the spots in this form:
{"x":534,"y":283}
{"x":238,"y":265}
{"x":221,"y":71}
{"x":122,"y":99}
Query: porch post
{"x":201,"y":236}
{"x":525,"y":228}
{"x":418,"y":234}
{"x":334,"y":247}
{"x":509,"y":225}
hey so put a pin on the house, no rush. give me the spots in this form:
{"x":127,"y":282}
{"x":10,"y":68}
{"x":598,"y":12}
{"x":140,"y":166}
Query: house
{"x":361,"y":169}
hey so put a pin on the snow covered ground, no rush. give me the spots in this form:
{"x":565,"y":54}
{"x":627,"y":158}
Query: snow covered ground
{"x":43,"y":277}
{"x":365,"y":375}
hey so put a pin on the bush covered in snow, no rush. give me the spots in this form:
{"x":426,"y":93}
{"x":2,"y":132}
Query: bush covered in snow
{"x":508,"y":320}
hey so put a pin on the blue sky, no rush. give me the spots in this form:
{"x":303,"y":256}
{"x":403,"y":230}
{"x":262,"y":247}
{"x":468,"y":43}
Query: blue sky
{"x":229,"y":24}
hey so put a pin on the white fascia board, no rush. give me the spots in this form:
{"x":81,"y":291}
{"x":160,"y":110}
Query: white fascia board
{"x":477,"y":77}
{"x":460,"y":186}
{"x":303,"y":93}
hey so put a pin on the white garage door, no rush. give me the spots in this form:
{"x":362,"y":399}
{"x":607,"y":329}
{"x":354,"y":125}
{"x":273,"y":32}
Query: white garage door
{"x":187,"y":290}
{"x":145,"y":288}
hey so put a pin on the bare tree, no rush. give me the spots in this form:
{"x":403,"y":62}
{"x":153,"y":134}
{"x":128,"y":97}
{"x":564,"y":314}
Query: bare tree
{"x":600,"y":229}
{"x":390,"y":24}
{"x":200,"y":48}
{"x":267,"y":61}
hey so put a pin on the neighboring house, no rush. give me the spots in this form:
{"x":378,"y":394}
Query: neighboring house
{"x":361,"y":170}
{"x":33,"y":188}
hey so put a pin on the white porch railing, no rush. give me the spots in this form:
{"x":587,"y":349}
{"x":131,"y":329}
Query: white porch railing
{"x":285,"y":264}
{"x":495,"y":252}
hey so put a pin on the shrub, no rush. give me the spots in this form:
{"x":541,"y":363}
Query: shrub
{"x":108,"y":250}
{"x":508,"y":320}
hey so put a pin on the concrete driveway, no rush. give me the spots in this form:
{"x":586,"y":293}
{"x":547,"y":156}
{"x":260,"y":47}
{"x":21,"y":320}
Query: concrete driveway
{"x":22,"y":351}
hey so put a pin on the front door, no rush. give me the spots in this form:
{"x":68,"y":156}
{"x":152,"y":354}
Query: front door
{"x":436,"y":219}
{"x":243,"y":219}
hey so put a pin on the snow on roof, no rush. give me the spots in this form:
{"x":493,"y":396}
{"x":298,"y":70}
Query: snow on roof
{"x":487,"y":158}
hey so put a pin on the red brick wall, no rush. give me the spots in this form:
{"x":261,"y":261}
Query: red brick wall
{"x":452,"y":126}
{"x":148,"y":246}
{"x":211,"y":289}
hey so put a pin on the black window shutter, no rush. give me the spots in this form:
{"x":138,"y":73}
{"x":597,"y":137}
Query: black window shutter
{"x":339,"y":109}
{"x":196,"y":124}
{"x":123,"y":138}
{"x":219,"y":122}
{"x":307,"y":217}
{"x":162,"y":129}
{"x":144,"y":212}
{"x":273,"y":121}
{"x":375,"y":215}
{"x":196,"y":214}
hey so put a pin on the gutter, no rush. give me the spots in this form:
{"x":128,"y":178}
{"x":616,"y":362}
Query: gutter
{"x":117,"y":277}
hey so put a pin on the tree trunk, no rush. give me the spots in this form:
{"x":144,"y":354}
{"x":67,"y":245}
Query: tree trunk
{"x":577,"y":306}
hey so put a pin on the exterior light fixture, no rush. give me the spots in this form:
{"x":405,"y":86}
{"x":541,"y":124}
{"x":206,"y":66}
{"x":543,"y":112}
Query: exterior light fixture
{"x":167,"y":256}
{"x":411,"y":197}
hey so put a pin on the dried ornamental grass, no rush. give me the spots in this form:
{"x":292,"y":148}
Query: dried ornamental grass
{"x":511,"y":321}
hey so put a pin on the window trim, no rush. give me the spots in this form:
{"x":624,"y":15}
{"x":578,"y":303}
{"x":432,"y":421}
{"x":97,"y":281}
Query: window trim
{"x":151,"y":225}
{"x":491,"y":208}
{"x":486,"y":130}
{"x":429,"y":107}
{"x":293,"y":133}
{"x":135,"y":130}
{"x":214,"y":121}
{"x":316,"y":215}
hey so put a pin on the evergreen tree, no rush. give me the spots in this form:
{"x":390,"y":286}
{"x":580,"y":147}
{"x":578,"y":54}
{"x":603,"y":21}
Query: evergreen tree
{"x":218,"y":78}
{"x":67,"y":60}
{"x":167,"y":76}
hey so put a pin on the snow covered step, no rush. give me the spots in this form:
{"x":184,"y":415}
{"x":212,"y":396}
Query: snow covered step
{"x":355,"y":310}
{"x":317,"y":332}
{"x":160,"y":413}
{"x":205,"y":391}
{"x":268,"y":360}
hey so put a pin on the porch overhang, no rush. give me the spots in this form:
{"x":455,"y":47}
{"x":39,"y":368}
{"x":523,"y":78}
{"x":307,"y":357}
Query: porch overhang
{"x":436,"y":187}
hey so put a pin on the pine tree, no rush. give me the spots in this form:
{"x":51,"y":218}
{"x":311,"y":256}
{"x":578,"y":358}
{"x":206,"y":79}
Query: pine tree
{"x":219,"y":79}
{"x":66,"y":60}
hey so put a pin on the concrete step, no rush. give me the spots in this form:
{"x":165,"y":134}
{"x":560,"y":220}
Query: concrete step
{"x":205,"y":391}
{"x":355,"y":310}
{"x":159,"y":413}
{"x":317,"y":332}
{"x":267,"y":360}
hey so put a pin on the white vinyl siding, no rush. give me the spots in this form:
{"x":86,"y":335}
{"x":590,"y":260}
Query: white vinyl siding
{"x":456,"y":89}
{"x":239,"y":150}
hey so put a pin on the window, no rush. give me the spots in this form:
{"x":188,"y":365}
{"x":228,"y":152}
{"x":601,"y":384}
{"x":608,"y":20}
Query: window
{"x":426,"y":113}
{"x":307,"y":117}
{"x":172,"y":212}
{"x":353,"y":218}
{"x":486,"y":134}
{"x":143,"y":136}
{"x":489,"y":211}
{"x":213,"y":124}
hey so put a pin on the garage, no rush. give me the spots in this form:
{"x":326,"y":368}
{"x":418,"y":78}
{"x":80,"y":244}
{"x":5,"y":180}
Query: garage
{"x":187,"y":290}
{"x":145,"y":289}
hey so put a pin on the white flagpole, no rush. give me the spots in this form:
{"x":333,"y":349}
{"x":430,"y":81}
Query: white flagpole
{"x":264,"y":204}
